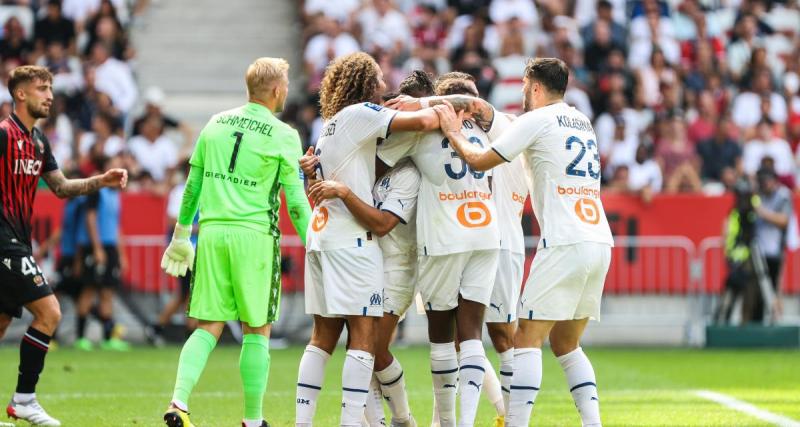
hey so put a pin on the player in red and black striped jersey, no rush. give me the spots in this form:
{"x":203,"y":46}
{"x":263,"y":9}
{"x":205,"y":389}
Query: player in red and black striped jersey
{"x":24,"y":157}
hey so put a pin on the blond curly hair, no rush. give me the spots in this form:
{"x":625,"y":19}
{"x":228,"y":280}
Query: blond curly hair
{"x":348,"y":80}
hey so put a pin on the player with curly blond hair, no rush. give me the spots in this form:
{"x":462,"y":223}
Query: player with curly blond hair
{"x":344,"y":268}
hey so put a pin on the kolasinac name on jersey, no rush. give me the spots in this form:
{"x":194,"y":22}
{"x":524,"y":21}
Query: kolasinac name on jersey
{"x":563,"y":173}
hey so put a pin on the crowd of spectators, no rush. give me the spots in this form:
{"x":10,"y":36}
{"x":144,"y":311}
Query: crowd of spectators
{"x":98,"y":109}
{"x":685,"y":95}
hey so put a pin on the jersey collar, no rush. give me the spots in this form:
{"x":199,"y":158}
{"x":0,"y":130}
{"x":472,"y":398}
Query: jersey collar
{"x":19,"y":124}
{"x":257,"y":108}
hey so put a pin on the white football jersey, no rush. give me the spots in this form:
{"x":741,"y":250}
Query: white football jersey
{"x":346,"y":150}
{"x":563,"y":173}
{"x":423,"y":147}
{"x":396,"y":192}
{"x":459,"y":214}
{"x":510,"y":191}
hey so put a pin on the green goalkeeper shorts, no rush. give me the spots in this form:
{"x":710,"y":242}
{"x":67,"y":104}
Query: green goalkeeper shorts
{"x":237,"y":276}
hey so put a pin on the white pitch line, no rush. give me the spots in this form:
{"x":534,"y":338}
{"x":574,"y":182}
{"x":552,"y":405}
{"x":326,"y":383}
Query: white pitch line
{"x":753,"y":411}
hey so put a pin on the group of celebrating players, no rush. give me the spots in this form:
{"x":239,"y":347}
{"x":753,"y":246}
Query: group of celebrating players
{"x":441,"y":222}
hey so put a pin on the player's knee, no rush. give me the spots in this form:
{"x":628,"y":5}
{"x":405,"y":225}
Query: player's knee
{"x":561,"y":346}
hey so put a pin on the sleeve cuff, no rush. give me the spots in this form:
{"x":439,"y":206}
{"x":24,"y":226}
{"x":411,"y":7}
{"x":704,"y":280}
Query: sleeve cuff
{"x":389,"y":125}
{"x":400,"y":217}
{"x":501,"y":155}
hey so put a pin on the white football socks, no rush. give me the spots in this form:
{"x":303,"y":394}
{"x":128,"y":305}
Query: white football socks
{"x":506,"y":371}
{"x":582,"y":385}
{"x":471,"y":372}
{"x":373,"y":413}
{"x":309,"y":382}
{"x":524,"y":386}
{"x":356,"y":376}
{"x":393,"y":386}
{"x":444,"y":370}
{"x":491,"y":388}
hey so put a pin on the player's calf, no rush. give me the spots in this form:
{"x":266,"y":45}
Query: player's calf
{"x":582,"y":385}
{"x":5,"y":321}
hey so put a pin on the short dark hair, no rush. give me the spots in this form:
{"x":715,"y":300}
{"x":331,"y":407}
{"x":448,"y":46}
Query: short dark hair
{"x":417,"y":84}
{"x":454,"y":83}
{"x":552,"y":73}
{"x":26,"y":74}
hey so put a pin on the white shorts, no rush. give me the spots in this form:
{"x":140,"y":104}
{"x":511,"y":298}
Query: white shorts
{"x":345,"y":282}
{"x":442,"y":278}
{"x":507,"y":284}
{"x":566,"y":282}
{"x":399,"y":280}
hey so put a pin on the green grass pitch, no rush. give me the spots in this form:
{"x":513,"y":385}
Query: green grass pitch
{"x":637,"y":387}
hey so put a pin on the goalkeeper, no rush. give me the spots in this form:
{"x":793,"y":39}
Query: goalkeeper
{"x":242,"y":159}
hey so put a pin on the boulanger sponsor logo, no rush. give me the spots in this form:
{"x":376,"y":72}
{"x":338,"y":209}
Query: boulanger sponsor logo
{"x":320,"y":219}
{"x":519,"y":198}
{"x":578,"y":191}
{"x":465,"y":195}
{"x":474,"y":214}
{"x":587,"y":211}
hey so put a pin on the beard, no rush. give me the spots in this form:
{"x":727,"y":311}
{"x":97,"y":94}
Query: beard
{"x":39,"y":111}
{"x":526,"y":103}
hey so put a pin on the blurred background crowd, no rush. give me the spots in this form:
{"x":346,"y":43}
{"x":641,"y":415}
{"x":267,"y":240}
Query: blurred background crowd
{"x":98,"y":110}
{"x":686,"y":96}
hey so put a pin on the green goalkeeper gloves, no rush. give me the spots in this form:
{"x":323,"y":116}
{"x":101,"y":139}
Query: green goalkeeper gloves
{"x":179,"y":255}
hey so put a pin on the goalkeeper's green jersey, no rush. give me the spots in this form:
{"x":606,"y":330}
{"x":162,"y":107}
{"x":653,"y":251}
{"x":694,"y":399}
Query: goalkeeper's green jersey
{"x":247,"y":155}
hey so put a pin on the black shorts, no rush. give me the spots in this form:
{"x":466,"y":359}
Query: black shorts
{"x":108,"y":275}
{"x":70,"y":277}
{"x":21,"y":282}
{"x":186,"y":284}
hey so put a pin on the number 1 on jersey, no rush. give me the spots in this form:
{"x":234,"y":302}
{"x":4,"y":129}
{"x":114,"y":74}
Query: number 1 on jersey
{"x":235,"y":154}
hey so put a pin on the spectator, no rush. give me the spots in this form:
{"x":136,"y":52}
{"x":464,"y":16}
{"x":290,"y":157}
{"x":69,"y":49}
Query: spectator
{"x":153,"y":150}
{"x":605,"y":11}
{"x":720,"y":153}
{"x":739,"y":51}
{"x":503,"y":11}
{"x":510,"y":67}
{"x":384,"y":28}
{"x":648,"y":31}
{"x":597,"y":50}
{"x":14,"y":47}
{"x":114,"y":78}
{"x":644,"y":174}
{"x":774,"y":214}
{"x":332,"y":43}
{"x":605,"y":126}
{"x":54,"y":27}
{"x":623,"y":148}
{"x":678,"y":159}
{"x":766,"y":144}
{"x":651,"y":76}
{"x":340,"y":10}
{"x":706,"y":118}
{"x":108,"y":31}
{"x":154,"y":99}
{"x":104,"y":133}
{"x":746,"y":108}
{"x":67,"y":70}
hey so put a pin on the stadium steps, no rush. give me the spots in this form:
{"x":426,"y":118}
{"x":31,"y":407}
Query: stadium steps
{"x":197,"y":50}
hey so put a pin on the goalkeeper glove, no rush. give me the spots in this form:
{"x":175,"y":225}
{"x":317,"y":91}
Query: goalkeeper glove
{"x":179,"y":255}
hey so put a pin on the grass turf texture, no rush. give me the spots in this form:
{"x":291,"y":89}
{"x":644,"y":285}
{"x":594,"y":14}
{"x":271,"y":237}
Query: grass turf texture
{"x":637,"y":387}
